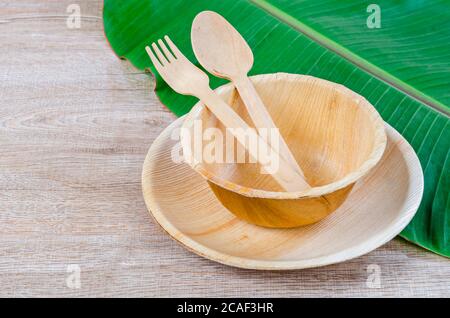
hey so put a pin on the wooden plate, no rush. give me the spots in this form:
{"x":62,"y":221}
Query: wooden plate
{"x":378,"y":208}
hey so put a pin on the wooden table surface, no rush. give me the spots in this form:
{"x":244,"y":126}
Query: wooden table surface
{"x":75,"y":125}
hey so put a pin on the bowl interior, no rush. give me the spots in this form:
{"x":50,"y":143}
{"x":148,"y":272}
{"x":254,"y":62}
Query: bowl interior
{"x":330,"y":130}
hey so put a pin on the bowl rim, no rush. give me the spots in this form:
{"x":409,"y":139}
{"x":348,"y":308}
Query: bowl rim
{"x":380,"y":140}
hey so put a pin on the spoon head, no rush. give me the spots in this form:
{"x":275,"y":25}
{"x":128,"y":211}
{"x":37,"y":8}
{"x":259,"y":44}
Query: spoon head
{"x":219,"y":47}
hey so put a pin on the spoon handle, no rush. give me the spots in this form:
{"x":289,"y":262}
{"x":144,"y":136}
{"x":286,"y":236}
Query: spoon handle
{"x":283,"y":173}
{"x":262,"y":119}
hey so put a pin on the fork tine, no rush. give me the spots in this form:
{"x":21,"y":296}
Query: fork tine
{"x":176,"y":52}
{"x":155,"y":61}
{"x":166,"y":51}
{"x":159,"y":54}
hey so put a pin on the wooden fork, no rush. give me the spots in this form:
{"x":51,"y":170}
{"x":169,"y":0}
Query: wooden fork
{"x":187,"y":79}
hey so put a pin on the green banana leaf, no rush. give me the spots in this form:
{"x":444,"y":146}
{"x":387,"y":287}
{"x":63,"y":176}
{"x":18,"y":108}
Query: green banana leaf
{"x":402,"y":67}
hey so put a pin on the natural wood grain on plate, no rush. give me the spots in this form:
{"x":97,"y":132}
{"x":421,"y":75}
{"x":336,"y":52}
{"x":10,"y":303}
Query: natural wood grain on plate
{"x":75,"y":126}
{"x":381,"y":204}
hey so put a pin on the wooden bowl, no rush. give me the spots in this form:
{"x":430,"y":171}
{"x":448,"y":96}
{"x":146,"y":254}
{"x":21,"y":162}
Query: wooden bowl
{"x":336,"y":136}
{"x":381,"y":204}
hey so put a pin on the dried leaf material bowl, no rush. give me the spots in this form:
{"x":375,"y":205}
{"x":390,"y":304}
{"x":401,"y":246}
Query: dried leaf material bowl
{"x":335,"y":135}
{"x":380,"y":206}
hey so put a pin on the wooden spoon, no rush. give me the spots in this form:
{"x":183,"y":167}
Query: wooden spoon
{"x":222,"y":51}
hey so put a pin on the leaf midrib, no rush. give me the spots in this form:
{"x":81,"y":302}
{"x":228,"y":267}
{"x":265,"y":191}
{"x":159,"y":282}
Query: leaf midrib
{"x":353,"y":58}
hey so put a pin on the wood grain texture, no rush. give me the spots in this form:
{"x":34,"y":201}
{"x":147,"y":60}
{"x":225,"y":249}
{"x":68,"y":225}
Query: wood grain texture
{"x":75,"y":125}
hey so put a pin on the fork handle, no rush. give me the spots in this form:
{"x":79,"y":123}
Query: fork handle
{"x":261,"y":117}
{"x":284,"y":174}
